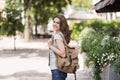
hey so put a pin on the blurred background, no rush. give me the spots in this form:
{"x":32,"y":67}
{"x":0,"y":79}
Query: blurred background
{"x":26,"y":25}
{"x":32,"y":19}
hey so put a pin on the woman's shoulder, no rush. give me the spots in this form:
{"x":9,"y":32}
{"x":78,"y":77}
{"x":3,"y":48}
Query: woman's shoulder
{"x":57,"y":36}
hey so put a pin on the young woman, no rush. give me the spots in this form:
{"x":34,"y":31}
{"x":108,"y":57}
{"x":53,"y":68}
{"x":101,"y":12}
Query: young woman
{"x":56,"y":45}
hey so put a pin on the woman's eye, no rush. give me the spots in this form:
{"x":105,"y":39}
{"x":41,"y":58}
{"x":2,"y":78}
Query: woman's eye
{"x":56,"y":22}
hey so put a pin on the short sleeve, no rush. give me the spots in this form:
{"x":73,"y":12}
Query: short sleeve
{"x":57,"y":36}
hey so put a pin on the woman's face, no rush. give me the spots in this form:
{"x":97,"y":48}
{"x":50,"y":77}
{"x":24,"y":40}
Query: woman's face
{"x":56,"y":24}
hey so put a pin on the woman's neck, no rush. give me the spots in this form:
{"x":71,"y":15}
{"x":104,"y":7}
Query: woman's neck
{"x":57,"y":31}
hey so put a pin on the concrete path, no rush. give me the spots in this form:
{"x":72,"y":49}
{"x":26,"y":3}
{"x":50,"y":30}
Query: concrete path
{"x":29,"y":61}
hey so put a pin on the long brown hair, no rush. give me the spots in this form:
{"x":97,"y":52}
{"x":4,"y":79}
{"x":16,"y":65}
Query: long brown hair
{"x":64,"y":27}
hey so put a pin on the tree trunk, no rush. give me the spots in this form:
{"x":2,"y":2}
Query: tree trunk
{"x":36,"y":32}
{"x":14,"y":43}
{"x":44,"y":28}
{"x":27,"y":29}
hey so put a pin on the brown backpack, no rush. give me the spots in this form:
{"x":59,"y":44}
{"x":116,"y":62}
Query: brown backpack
{"x":68,"y":64}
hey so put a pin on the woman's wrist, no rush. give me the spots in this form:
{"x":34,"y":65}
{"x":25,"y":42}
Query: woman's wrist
{"x":50,"y":46}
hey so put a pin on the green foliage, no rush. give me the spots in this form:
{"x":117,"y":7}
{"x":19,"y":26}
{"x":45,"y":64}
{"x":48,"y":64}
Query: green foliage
{"x":43,"y":10}
{"x":111,"y":28}
{"x":117,"y":65}
{"x":97,"y":24}
{"x":101,"y":42}
{"x":12,"y":21}
{"x":77,"y":28}
{"x":101,"y":49}
{"x":40,"y":12}
{"x":34,"y":12}
{"x":82,"y":3}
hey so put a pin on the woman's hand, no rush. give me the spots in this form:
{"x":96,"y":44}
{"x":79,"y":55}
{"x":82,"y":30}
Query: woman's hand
{"x":49,"y":43}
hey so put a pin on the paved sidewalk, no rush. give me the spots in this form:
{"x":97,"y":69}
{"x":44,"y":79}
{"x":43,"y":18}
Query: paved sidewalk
{"x":28,"y":62}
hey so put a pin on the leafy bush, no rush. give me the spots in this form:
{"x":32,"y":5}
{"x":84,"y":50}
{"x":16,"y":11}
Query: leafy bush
{"x":99,"y":26}
{"x":77,"y":28}
{"x":12,"y":22}
{"x":101,"y":49}
{"x":101,"y":42}
{"x":117,"y":65}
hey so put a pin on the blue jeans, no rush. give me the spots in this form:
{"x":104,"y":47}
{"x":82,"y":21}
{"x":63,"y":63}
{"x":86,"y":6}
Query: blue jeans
{"x":58,"y":75}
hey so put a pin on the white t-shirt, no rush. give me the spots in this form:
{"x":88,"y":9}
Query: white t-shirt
{"x":52,"y":54}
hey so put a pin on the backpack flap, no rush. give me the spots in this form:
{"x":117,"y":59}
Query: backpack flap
{"x":73,"y":52}
{"x":62,"y":61}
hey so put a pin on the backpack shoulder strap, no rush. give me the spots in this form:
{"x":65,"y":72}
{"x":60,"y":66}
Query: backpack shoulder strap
{"x":63,"y":38}
{"x":75,"y":76}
